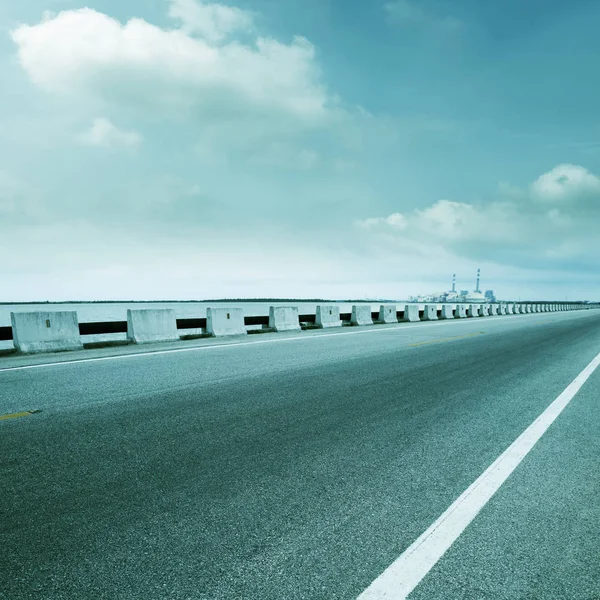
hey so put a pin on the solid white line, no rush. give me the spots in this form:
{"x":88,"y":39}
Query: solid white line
{"x":405,"y":573}
{"x":401,"y":327}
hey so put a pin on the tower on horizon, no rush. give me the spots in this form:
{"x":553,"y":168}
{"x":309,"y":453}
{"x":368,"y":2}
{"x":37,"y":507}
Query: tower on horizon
{"x":478,"y":275}
{"x":454,"y":282}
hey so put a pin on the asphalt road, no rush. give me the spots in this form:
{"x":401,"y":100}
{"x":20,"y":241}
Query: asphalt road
{"x":301,"y":465}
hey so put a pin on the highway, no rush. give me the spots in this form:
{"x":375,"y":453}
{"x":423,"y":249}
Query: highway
{"x":302,"y":465}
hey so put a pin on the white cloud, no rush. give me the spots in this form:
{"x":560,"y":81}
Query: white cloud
{"x":85,"y":52}
{"x":517,"y":229}
{"x":565,"y":182}
{"x":395,"y":221}
{"x":104,"y":133}
{"x":212,"y":22}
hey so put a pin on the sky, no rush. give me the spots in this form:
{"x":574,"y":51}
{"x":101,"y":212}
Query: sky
{"x":186,"y":149}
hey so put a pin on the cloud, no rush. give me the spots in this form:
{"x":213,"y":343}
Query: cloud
{"x":516,"y":229}
{"x":212,"y":22}
{"x":105,"y":134}
{"x":396,"y":221}
{"x":175,"y":72}
{"x":566,"y":182}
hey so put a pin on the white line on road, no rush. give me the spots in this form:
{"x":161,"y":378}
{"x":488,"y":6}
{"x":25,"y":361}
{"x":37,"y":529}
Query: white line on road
{"x":405,"y":573}
{"x":276,"y":340}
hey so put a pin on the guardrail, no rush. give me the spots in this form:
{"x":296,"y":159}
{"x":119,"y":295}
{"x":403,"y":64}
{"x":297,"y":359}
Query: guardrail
{"x":44,"y":335}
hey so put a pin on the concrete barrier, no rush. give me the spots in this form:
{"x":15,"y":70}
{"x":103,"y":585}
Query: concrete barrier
{"x":411,"y":313}
{"x":45,"y":331}
{"x":461,"y":311}
{"x":284,"y":318}
{"x":502,"y":309}
{"x":225,"y":321}
{"x":151,"y":325}
{"x":484,"y":310}
{"x":361,"y":315}
{"x":473,"y":310}
{"x":510,"y":309}
{"x":387,"y":313}
{"x":447,"y":311}
{"x":328,"y":316}
{"x":494,"y":309}
{"x":430,"y":312}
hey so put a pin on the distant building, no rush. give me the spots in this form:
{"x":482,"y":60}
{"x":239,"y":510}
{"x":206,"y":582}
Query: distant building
{"x":475,"y":296}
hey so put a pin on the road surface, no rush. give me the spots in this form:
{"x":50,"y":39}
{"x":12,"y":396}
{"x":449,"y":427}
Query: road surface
{"x":292,"y":466}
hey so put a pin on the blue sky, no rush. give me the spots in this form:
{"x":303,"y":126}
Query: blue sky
{"x":332,"y":148}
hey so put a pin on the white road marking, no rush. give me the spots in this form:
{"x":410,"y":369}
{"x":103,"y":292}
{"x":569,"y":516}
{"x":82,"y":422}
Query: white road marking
{"x":405,"y":573}
{"x":356,"y":331}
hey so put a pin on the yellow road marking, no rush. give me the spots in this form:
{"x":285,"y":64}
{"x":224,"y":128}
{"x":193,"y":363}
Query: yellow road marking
{"x":456,"y":337}
{"x":19,"y":414}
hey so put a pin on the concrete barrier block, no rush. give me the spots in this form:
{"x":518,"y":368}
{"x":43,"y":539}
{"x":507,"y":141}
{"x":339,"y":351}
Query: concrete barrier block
{"x":361,"y":315}
{"x":493,"y":309}
{"x":528,"y":308}
{"x":328,"y":316}
{"x":225,"y":321}
{"x":284,"y":318}
{"x":510,"y":309}
{"x":430,"y":312}
{"x":484,"y":310}
{"x":461,"y":311}
{"x":502,"y":309}
{"x":447,"y":311}
{"x":387,"y":313}
{"x":151,"y":325}
{"x":411,"y":313}
{"x":45,"y":331}
{"x":473,"y":310}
